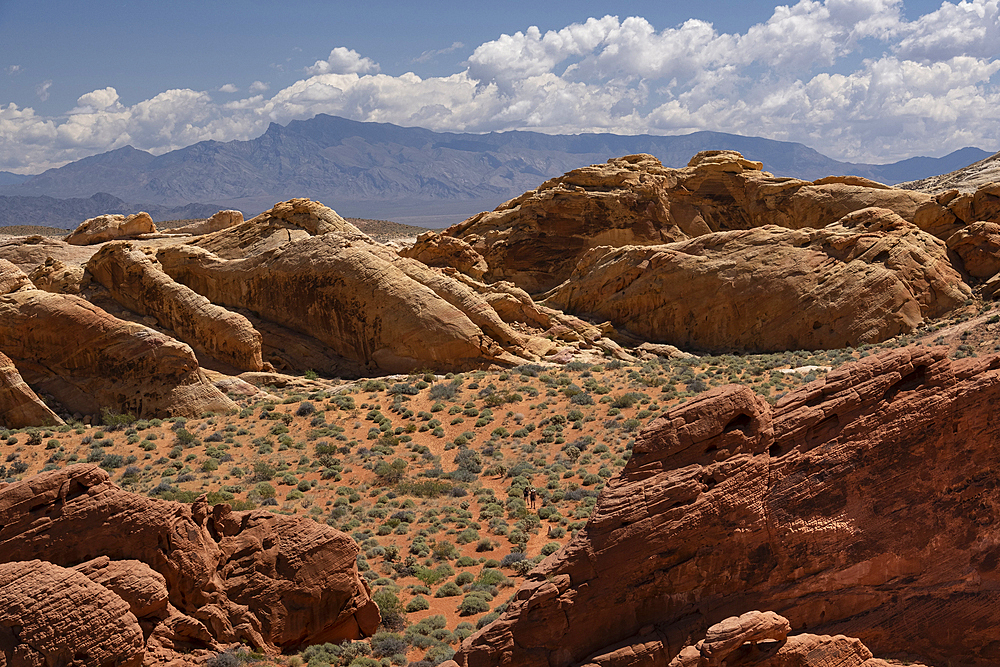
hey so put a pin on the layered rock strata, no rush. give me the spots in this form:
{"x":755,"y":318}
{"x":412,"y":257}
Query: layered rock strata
{"x":205,"y":575}
{"x":858,"y":505}
{"x":136,"y":282}
{"x":19,"y":405}
{"x":535,"y":240}
{"x":864,"y":279}
{"x":106,"y":363}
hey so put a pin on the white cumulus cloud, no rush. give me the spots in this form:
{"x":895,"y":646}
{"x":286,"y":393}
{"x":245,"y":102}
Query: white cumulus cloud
{"x":344,"y":61}
{"x":850,"y":78}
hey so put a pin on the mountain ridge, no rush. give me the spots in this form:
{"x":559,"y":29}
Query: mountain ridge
{"x":368,"y":169}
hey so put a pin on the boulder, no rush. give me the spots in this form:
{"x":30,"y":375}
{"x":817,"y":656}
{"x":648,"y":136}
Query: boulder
{"x":136,"y":282}
{"x":20,"y":407}
{"x":446,"y":251}
{"x":272,"y":581}
{"x":109,"y":227}
{"x":536,"y":240}
{"x":52,"y":616}
{"x":88,"y":360}
{"x":12,"y":278}
{"x":978,"y":245}
{"x":857,"y":505}
{"x":55,"y":276}
{"x":864,"y":279}
{"x":725,"y":637}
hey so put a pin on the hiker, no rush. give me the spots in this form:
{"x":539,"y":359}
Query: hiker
{"x":533,"y":497}
{"x":526,"y":492}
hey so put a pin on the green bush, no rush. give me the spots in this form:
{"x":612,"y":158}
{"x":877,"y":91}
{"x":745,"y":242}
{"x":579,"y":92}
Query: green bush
{"x":417,"y":603}
{"x":473,"y":603}
{"x":450,"y":589}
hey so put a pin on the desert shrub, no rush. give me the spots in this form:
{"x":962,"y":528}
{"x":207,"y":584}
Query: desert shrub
{"x":390,"y":473}
{"x":450,"y":589}
{"x":305,"y":409}
{"x":390,"y":608}
{"x":550,"y":548}
{"x":417,"y":603}
{"x":388,"y":643}
{"x":473,"y":603}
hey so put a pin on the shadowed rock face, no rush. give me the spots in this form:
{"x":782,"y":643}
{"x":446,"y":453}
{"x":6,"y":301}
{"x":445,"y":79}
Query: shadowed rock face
{"x":272,"y":581}
{"x":867,"y":278}
{"x":865,"y":503}
{"x":536,"y":239}
{"x":19,"y":405}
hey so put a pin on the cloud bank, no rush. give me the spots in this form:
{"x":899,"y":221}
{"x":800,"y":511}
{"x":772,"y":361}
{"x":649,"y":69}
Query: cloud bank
{"x":851,"y":78}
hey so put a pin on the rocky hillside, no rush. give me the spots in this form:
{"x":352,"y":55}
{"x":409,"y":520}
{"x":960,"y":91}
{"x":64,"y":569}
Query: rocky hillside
{"x":745,"y":359}
{"x":966,"y":179}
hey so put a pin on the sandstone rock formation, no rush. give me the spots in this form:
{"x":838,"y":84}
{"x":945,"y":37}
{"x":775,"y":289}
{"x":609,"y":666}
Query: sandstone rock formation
{"x":106,"y":363}
{"x":108,"y":227}
{"x":56,"y":277}
{"x":221,"y":220}
{"x":19,"y":405}
{"x":137,"y":282}
{"x":53,"y":616}
{"x":11,"y":278}
{"x":446,"y":251}
{"x":272,"y":581}
{"x":869,"y":277}
{"x":978,"y":245}
{"x":535,"y":240}
{"x":858,"y":505}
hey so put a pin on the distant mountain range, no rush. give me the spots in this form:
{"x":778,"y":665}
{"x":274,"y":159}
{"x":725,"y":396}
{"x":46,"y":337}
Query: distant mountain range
{"x":411,"y":175}
{"x":68,"y":213}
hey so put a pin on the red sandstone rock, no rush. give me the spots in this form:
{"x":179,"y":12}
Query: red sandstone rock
{"x":271,"y":581}
{"x":19,"y":405}
{"x":51,"y":616}
{"x":862,"y":504}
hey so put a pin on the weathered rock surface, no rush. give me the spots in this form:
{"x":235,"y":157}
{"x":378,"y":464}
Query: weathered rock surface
{"x":11,"y":278}
{"x":535,"y":240}
{"x":144,"y":589}
{"x":864,"y":279}
{"x":284,"y":223}
{"x":56,"y":277}
{"x":19,"y":405}
{"x":966,"y":179}
{"x":51,"y":616}
{"x":137,"y":282}
{"x":446,"y":251}
{"x":272,"y":581}
{"x":978,"y":245}
{"x":109,"y":227}
{"x":221,"y":220}
{"x":858,"y":505}
{"x":105,"y":363}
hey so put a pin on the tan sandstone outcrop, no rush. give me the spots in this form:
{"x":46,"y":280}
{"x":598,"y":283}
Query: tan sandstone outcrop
{"x":56,"y":277}
{"x":535,"y":240}
{"x":978,"y":245}
{"x":443,"y":251}
{"x":861,"y":504}
{"x":109,"y":227}
{"x":19,"y":405}
{"x":864,"y":279}
{"x":105,"y":363}
{"x":136,"y":282}
{"x":52,"y":616}
{"x":221,"y":220}
{"x":274,"y":582}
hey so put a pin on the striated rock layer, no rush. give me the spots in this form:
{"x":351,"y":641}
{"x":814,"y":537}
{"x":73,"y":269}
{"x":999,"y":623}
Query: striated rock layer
{"x":867,"y":278}
{"x":51,"y":616}
{"x":108,"y":227}
{"x":862,"y":504}
{"x":136,"y":282}
{"x":88,"y":360}
{"x":535,"y":240}
{"x":215,"y":576}
{"x":19,"y":405}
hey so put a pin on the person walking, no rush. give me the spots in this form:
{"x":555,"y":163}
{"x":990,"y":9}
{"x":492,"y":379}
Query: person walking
{"x":534,"y":495}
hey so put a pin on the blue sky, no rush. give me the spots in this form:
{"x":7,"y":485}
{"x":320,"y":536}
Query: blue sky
{"x":864,"y":80}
